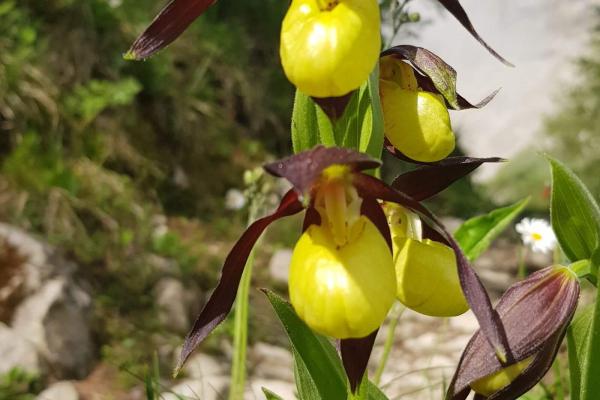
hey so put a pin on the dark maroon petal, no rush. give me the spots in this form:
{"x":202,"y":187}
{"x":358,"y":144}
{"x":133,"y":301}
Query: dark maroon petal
{"x":303,"y":169}
{"x":222,"y":298}
{"x":454,"y":7}
{"x":432,"y":234}
{"x":434,"y":75}
{"x":311,"y":217}
{"x":426,"y":83}
{"x":449,"y":161}
{"x":535,"y":313}
{"x":334,"y":107}
{"x":472,"y":287}
{"x":355,"y":357}
{"x":167,"y":26}
{"x":464,"y":104}
{"x":371,"y":208}
{"x":442,"y":75}
{"x":425,"y":182}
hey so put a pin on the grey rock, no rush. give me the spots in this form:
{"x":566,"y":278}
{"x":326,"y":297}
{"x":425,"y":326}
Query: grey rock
{"x":17,"y":352}
{"x":56,"y":320}
{"x":206,"y":389}
{"x":202,"y":366}
{"x":496,"y":281}
{"x":272,"y":362}
{"x":279,"y":266}
{"x":63,"y":390}
{"x":42,"y":261}
{"x":171,"y":301}
{"x":162,"y":265}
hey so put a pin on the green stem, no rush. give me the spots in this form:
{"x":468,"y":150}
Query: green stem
{"x":590,"y":385}
{"x":240,"y":335}
{"x":557,"y":255}
{"x":522,"y":268}
{"x":559,"y":389}
{"x":389,"y":341}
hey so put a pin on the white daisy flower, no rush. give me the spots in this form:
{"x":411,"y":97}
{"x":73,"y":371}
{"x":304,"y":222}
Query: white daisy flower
{"x":537,"y":234}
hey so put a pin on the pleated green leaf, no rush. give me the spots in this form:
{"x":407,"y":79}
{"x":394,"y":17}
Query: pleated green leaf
{"x":372,"y":136}
{"x":305,"y":129}
{"x":577,"y":341}
{"x":317,"y":374}
{"x":575,"y":214}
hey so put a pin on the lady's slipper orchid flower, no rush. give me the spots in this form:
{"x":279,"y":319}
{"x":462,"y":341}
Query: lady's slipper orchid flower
{"x":535,"y":314}
{"x":416,"y":122}
{"x":329,"y":47}
{"x":342,"y":275}
{"x":417,"y":87}
{"x":426,"y":272}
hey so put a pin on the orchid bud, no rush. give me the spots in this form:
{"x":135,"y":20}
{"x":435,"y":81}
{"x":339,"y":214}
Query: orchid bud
{"x":342,"y":291}
{"x":416,"y":122}
{"x":535,"y":314}
{"x":329,"y":47}
{"x":426,"y":272}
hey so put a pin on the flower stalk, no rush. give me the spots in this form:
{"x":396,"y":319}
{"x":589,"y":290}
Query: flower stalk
{"x":395,"y":316}
{"x":240,"y":333}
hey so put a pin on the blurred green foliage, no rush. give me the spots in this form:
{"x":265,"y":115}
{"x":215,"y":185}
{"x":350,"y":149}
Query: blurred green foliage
{"x":95,"y":151}
{"x":17,"y":384}
{"x":574,"y":132}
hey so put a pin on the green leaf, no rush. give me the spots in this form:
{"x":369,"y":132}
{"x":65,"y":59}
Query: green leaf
{"x":270,"y":395}
{"x":373,"y":392}
{"x":307,"y":389}
{"x":577,"y":342}
{"x":476,"y":234}
{"x":317,"y":373}
{"x":575,"y":214}
{"x":372,"y":135}
{"x":305,"y":130}
{"x":349,"y":126}
{"x":590,"y":367}
{"x":326,"y":128}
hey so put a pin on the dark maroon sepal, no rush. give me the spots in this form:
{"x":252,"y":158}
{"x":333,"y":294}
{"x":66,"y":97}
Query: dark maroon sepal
{"x":425,"y":83}
{"x":302,"y":170}
{"x":334,"y":107}
{"x":475,"y":293}
{"x":464,"y":104}
{"x":355,"y":357}
{"x":222,"y":298}
{"x":434,"y":75}
{"x":371,"y":208}
{"x":167,"y":26}
{"x":535,"y":314}
{"x":454,"y":7}
{"x":425,"y":182}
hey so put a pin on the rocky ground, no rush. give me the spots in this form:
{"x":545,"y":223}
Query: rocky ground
{"x":45,"y":329}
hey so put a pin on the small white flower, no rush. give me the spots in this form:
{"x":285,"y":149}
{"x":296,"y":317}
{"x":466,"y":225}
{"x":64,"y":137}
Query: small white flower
{"x":537,"y":234}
